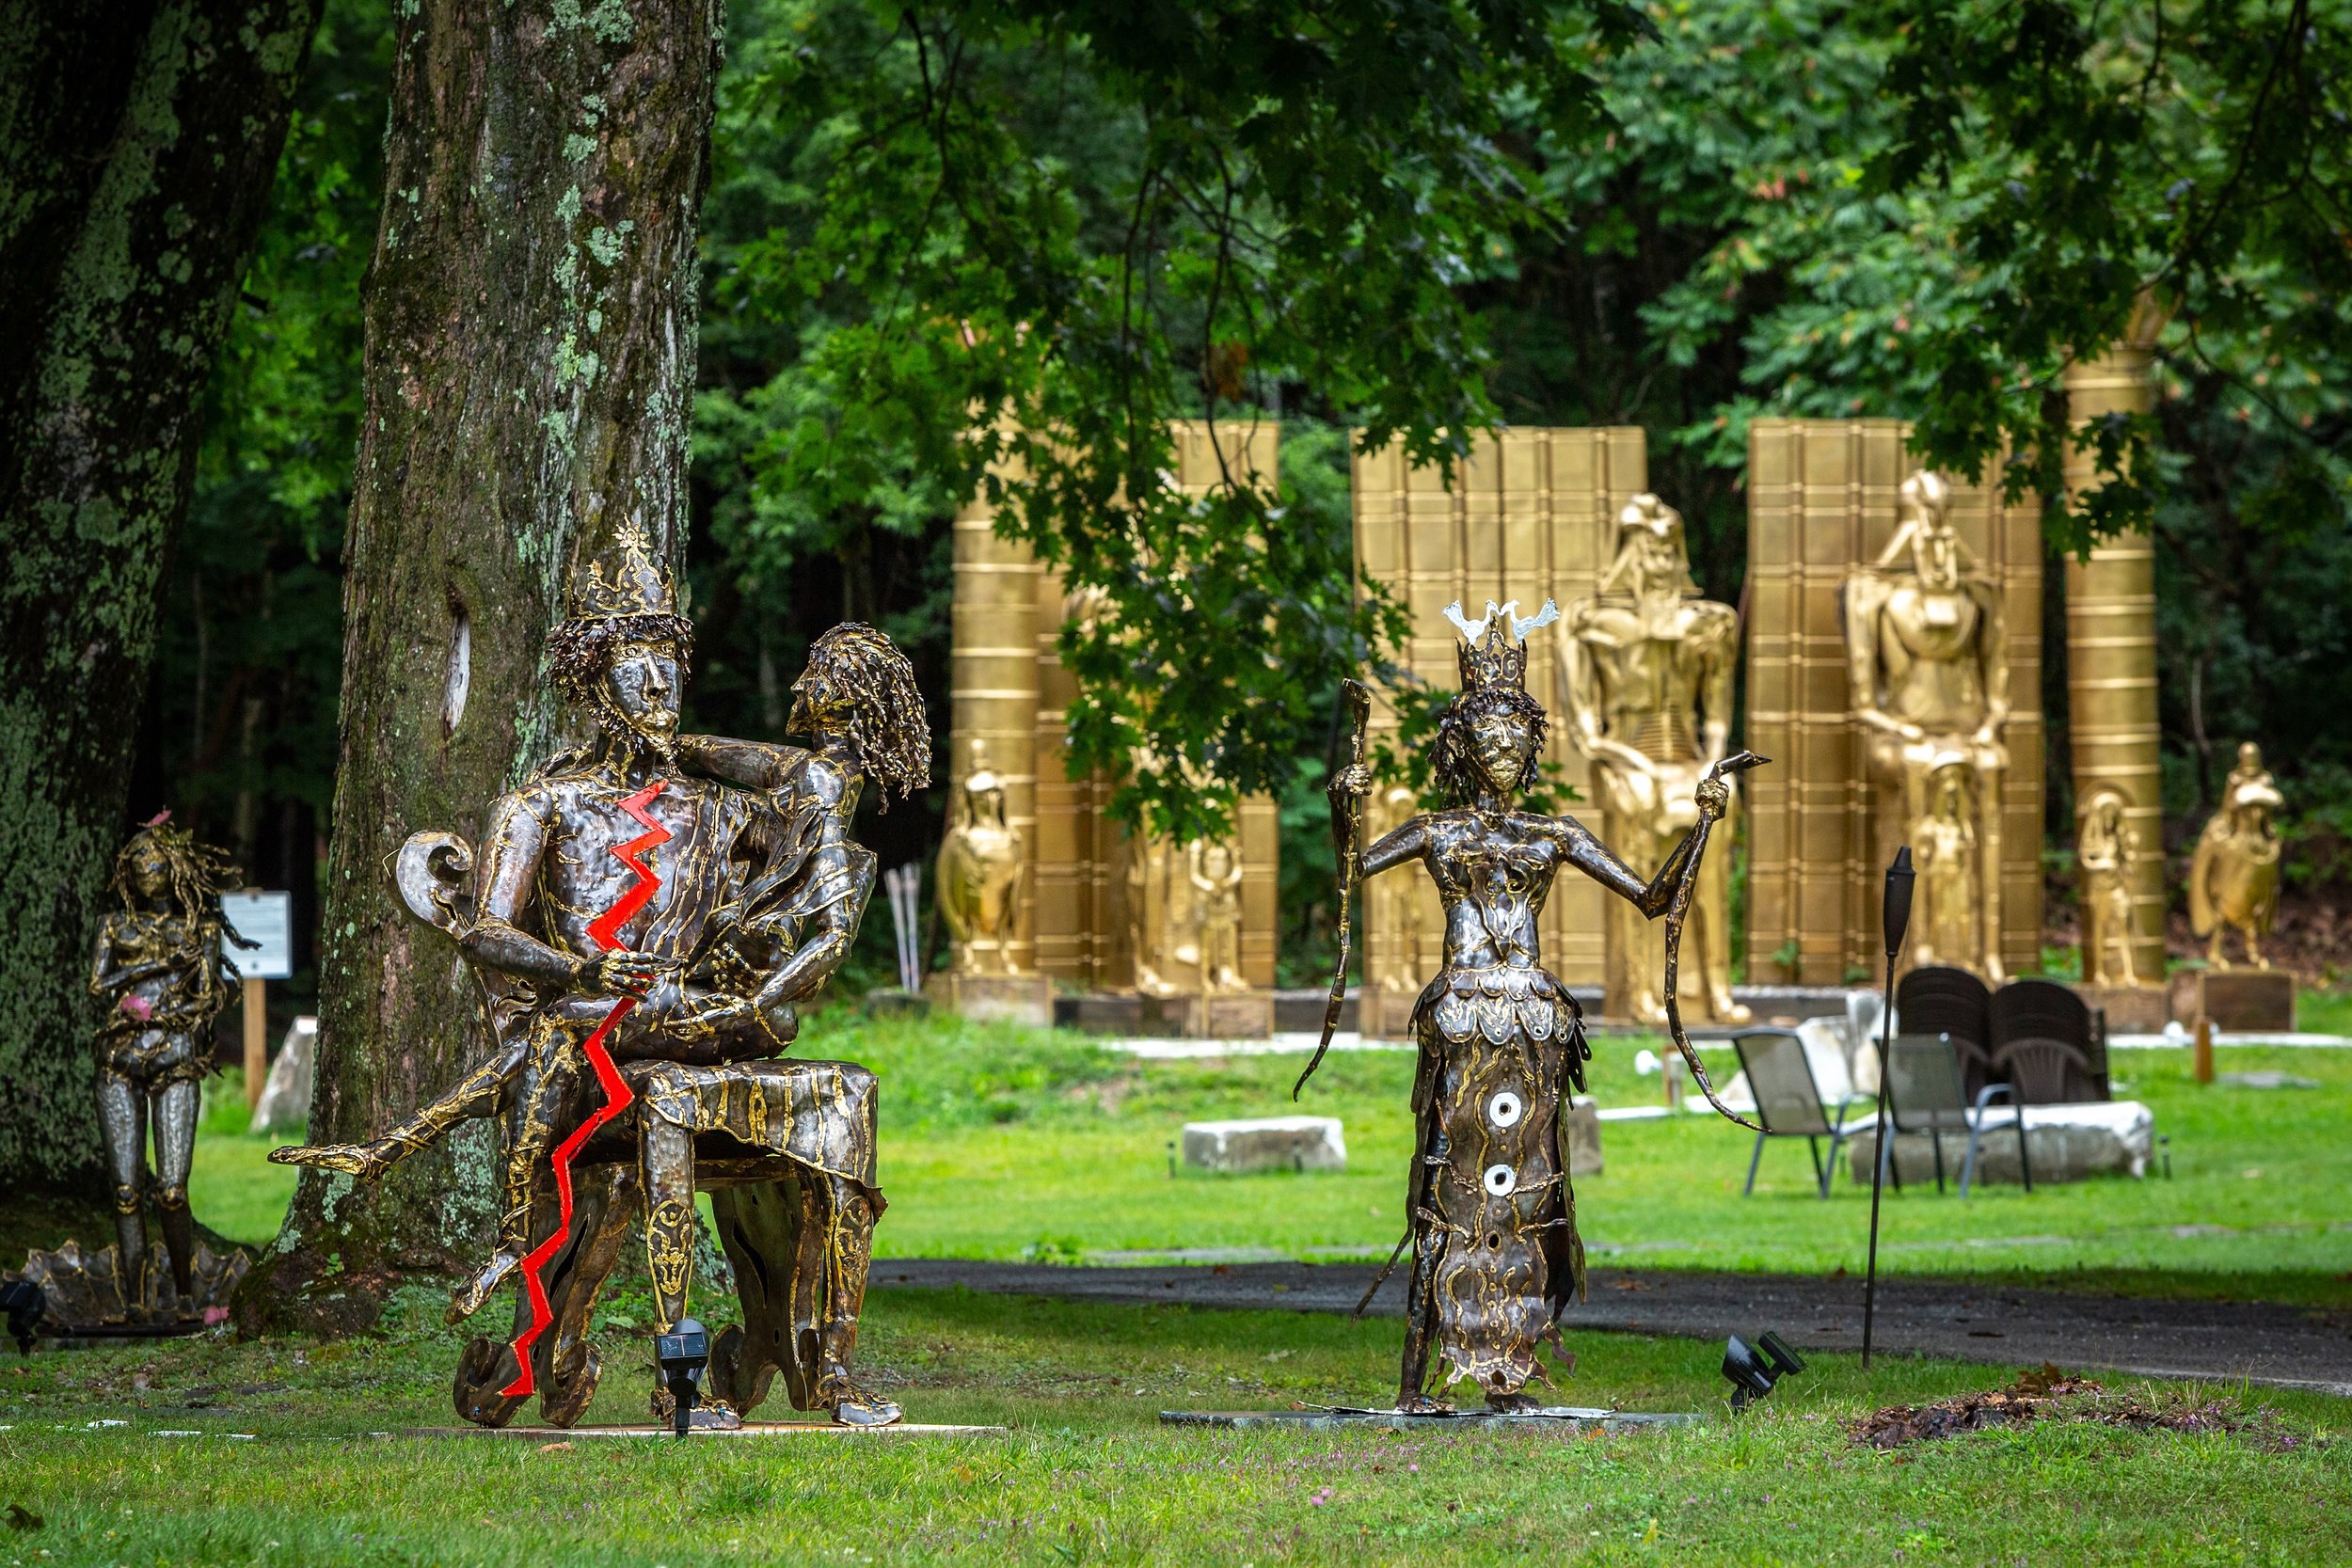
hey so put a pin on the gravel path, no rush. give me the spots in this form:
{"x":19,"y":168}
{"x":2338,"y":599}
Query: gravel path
{"x":2283,"y":1346}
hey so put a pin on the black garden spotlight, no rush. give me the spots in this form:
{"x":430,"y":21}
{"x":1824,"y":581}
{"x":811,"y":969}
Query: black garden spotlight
{"x":23,"y":1302}
{"x":1753,"y":1369}
{"x":682,"y":1354}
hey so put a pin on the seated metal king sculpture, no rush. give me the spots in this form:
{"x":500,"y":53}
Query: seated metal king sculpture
{"x":1492,"y":1220}
{"x":644,"y":916}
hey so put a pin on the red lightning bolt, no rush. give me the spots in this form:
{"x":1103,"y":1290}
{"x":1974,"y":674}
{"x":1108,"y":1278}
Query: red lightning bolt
{"x":605,"y":932}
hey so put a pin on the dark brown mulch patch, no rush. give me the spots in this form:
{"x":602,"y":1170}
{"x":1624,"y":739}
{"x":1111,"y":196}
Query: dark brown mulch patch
{"x":2051,"y":1395}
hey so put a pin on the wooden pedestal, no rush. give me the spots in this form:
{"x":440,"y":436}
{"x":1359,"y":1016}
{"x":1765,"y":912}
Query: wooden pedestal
{"x":2239,"y":1000}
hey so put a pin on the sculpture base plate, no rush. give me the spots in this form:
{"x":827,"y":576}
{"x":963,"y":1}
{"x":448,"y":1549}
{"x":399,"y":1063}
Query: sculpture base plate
{"x":1568,"y":1420}
{"x":2258,"y":1000}
{"x":1239,"y":1015}
{"x":749,"y":1429}
{"x":1019,"y":998}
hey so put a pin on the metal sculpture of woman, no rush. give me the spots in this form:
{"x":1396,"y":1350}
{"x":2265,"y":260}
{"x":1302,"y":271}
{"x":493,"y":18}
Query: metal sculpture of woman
{"x":1496,"y":1254}
{"x":160,"y":971}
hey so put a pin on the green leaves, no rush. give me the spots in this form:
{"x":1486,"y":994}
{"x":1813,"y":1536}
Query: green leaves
{"x":1009,"y":244}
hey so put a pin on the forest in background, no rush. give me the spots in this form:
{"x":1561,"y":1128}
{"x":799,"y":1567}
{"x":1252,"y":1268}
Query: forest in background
{"x":1708,"y":250}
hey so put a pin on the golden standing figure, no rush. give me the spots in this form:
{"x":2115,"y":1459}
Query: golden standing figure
{"x":2233,"y":876}
{"x":645,"y":914}
{"x":1214,"y":871}
{"x":1496,"y":1254}
{"x":980,"y":864}
{"x":2106,"y":851}
{"x":1645,"y":679}
{"x":1927,"y":660}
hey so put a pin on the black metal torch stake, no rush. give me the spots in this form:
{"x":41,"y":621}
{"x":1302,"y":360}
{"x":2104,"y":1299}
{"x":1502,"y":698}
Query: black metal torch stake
{"x":1895,"y":916}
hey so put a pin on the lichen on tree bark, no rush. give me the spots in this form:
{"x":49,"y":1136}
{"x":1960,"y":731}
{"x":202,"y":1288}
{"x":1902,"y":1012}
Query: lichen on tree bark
{"x":531,"y":349}
{"x":137,"y":143}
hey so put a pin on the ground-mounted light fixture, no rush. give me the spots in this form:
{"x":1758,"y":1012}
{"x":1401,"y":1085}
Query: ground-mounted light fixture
{"x":23,"y":1302}
{"x":1753,"y":1369}
{"x":682,"y":1354}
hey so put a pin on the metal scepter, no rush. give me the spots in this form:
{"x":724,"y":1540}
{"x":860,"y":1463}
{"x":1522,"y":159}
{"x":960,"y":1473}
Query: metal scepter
{"x":1347,"y":831}
{"x":1895,"y":916}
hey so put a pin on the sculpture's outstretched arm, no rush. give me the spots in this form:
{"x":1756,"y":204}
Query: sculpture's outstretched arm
{"x":1601,"y":863}
{"x":1407,"y":841}
{"x":749,"y":764}
{"x":508,"y":872}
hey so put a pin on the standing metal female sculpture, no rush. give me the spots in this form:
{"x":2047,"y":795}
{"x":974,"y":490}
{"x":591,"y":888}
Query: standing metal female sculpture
{"x":1496,"y":1254}
{"x":160,"y":970}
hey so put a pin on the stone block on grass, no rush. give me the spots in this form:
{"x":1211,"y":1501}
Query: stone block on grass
{"x":1267,"y":1143}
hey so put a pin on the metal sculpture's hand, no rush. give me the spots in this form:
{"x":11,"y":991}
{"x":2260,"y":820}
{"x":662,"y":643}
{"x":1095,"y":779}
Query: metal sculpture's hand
{"x":1351,"y":782}
{"x":624,"y":971}
{"x":1714,"y":798}
{"x":711,"y":1014}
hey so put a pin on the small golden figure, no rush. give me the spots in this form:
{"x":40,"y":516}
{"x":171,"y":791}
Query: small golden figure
{"x":1214,"y":871}
{"x":2234,"y":877}
{"x":1646,"y":677}
{"x":2106,"y":850}
{"x":980,"y":864}
{"x":1944,"y":847}
{"x":1928,"y":663}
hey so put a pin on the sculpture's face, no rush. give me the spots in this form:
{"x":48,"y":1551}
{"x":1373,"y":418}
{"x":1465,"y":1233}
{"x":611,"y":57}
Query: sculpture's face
{"x":1935,"y":554}
{"x":1501,"y":744}
{"x":1658,"y":558}
{"x":820,"y":706}
{"x":2249,"y":756}
{"x":641,"y":680}
{"x":1947,"y":795}
{"x":1217,"y":861}
{"x":150,"y":874}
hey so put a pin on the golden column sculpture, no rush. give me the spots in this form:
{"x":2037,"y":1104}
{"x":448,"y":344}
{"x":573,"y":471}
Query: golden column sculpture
{"x":1646,"y":668}
{"x":1072,"y":919}
{"x":993,"y":699}
{"x":2111,"y":644}
{"x":1532,"y":513}
{"x":1824,"y":500}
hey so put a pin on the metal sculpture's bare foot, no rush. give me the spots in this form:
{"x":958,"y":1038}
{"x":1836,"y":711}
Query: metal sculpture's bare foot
{"x":1506,"y":1405}
{"x":860,"y":1408}
{"x":368,"y":1161}
{"x":467,"y":1298}
{"x":1415,"y":1403}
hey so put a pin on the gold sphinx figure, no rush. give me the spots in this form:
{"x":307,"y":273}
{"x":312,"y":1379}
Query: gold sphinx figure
{"x":1926,"y":658}
{"x":2104,"y":852}
{"x":1645,"y":676}
{"x":980,"y":862}
{"x":2234,"y":877}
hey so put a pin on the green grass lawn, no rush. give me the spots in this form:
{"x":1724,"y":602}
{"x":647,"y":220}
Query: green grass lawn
{"x":1086,"y":1475}
{"x":999,"y":1142}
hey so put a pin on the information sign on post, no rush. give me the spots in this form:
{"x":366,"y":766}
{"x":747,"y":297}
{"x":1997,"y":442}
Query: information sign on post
{"x":266,"y":918}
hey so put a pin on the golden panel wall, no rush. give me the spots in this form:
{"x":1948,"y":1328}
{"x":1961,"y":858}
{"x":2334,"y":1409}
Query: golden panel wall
{"x":1821,"y":503}
{"x":1533,"y":514}
{"x":1010,"y":689}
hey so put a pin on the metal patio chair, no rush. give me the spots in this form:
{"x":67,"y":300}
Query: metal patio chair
{"x":1924,"y":1094}
{"x":1788,"y":1100}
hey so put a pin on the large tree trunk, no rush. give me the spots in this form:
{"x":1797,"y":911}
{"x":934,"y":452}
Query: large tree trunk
{"x":138,"y":140}
{"x":531,"y":355}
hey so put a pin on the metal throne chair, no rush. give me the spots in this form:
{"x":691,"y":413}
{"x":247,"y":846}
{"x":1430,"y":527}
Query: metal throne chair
{"x":786,"y":1149}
